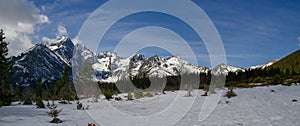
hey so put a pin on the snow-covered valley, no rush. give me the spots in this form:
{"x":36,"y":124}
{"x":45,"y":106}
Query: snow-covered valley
{"x":272,"y":105}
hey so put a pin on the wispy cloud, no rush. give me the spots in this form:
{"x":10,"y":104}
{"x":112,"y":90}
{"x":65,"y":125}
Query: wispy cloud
{"x":62,"y":31}
{"x":19,"y":19}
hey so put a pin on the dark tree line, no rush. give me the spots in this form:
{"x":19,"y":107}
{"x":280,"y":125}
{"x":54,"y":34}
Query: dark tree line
{"x":202,"y":80}
{"x":155,"y":83}
{"x":267,"y":76}
{"x":62,"y":89}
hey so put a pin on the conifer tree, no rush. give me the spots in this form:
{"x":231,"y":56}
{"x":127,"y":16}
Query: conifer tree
{"x":64,"y":88}
{"x":18,"y":94}
{"x":39,"y":88}
{"x":54,"y":114}
{"x":5,"y":72}
{"x":38,"y":92}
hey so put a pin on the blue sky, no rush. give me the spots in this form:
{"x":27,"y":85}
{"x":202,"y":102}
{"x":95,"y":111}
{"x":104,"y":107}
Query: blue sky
{"x":253,"y":32}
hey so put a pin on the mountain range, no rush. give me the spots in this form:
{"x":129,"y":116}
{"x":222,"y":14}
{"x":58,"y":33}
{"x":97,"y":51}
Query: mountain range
{"x":47,"y":61}
{"x":42,"y":61}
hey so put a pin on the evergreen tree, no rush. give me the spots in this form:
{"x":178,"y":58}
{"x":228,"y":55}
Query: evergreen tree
{"x":5,"y":72}
{"x":54,"y":114}
{"x":38,"y":92}
{"x":27,"y":95}
{"x":39,"y":102}
{"x":18,"y":94}
{"x":39,"y":88}
{"x":60,"y":83}
{"x":64,"y":88}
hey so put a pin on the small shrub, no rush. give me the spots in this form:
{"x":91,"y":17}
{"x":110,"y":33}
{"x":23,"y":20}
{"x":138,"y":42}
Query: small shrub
{"x":79,"y":106}
{"x":294,"y":100}
{"x":273,"y":91}
{"x":230,"y":93}
{"x":205,"y":94}
{"x":118,"y":98}
{"x":54,"y":114}
{"x":138,"y":94}
{"x":39,"y":102}
{"x":227,"y":102}
{"x":108,"y":95}
{"x":56,"y":120}
{"x":148,"y":94}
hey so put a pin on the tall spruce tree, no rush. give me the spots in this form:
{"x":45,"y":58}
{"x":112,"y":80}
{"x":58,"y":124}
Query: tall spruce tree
{"x":5,"y":72}
{"x":64,"y":87}
{"x":39,"y":88}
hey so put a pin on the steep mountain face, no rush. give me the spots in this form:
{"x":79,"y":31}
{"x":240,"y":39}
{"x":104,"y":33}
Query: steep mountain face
{"x":37,"y":62}
{"x":290,"y":63}
{"x":64,"y":47}
{"x":224,"y":69}
{"x":45,"y":61}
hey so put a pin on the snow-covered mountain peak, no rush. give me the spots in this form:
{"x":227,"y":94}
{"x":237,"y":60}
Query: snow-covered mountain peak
{"x":137,"y":57}
{"x":224,"y":69}
{"x":105,"y":55}
{"x":63,"y":42}
{"x":264,"y":65}
{"x":64,"y":47}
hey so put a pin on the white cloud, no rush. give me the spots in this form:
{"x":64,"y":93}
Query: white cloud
{"x":18,"y":20}
{"x":62,"y":31}
{"x":43,"y":19}
{"x":47,"y":40}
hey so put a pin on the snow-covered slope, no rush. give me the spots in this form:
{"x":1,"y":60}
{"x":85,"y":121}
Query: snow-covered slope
{"x":252,"y":106}
{"x":107,"y":66}
{"x":110,"y":67}
{"x":264,"y":65}
{"x":171,"y":66}
{"x":225,"y":69}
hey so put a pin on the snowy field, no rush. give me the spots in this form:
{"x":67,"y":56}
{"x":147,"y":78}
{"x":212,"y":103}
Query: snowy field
{"x":273,"y":105}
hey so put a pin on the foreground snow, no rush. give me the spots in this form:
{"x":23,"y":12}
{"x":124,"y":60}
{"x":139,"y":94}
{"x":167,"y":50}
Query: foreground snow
{"x":255,"y":106}
{"x":29,"y":115}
